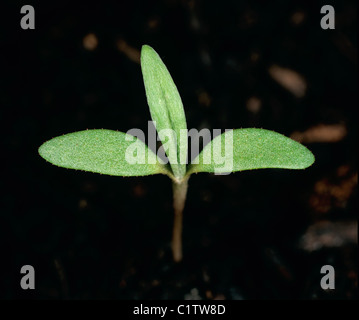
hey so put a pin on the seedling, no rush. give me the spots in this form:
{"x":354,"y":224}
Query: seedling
{"x":122,"y":154}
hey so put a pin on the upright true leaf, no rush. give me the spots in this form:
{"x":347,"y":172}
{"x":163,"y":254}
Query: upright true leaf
{"x":166,"y":109}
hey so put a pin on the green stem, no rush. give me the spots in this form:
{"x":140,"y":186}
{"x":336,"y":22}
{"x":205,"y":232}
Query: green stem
{"x":179,"y":199}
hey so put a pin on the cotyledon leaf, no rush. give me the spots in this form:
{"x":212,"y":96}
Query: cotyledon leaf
{"x":246,"y":149}
{"x":102,"y":151}
{"x":166,"y":109}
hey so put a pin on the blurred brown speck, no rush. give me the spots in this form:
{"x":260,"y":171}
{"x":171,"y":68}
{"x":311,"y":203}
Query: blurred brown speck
{"x":353,"y":276}
{"x":83,"y":204}
{"x":329,"y":234}
{"x":204,"y":99}
{"x":343,"y":170}
{"x":131,"y":52}
{"x":248,"y":19}
{"x":89,"y":187}
{"x":90,"y":42}
{"x":334,"y":191}
{"x":206,"y":196}
{"x":123,"y":283}
{"x":155,"y":283}
{"x":254,"y":105}
{"x":345,"y":46}
{"x":289,"y":79}
{"x":297,"y":18}
{"x":209,"y":294}
{"x":254,"y":56}
{"x":321,"y":133}
{"x":153,"y":23}
{"x":139,"y":191}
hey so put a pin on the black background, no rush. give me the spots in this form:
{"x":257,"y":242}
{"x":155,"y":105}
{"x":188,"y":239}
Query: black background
{"x":91,"y":236}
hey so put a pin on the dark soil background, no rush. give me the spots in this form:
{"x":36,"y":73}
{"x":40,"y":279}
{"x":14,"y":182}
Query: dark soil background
{"x":253,"y":235}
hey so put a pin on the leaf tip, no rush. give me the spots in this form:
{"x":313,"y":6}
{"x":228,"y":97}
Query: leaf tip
{"x":42,"y":150}
{"x":308,"y":159}
{"x":145,"y":50}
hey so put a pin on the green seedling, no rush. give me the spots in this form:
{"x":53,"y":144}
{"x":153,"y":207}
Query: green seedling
{"x":121,"y":154}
